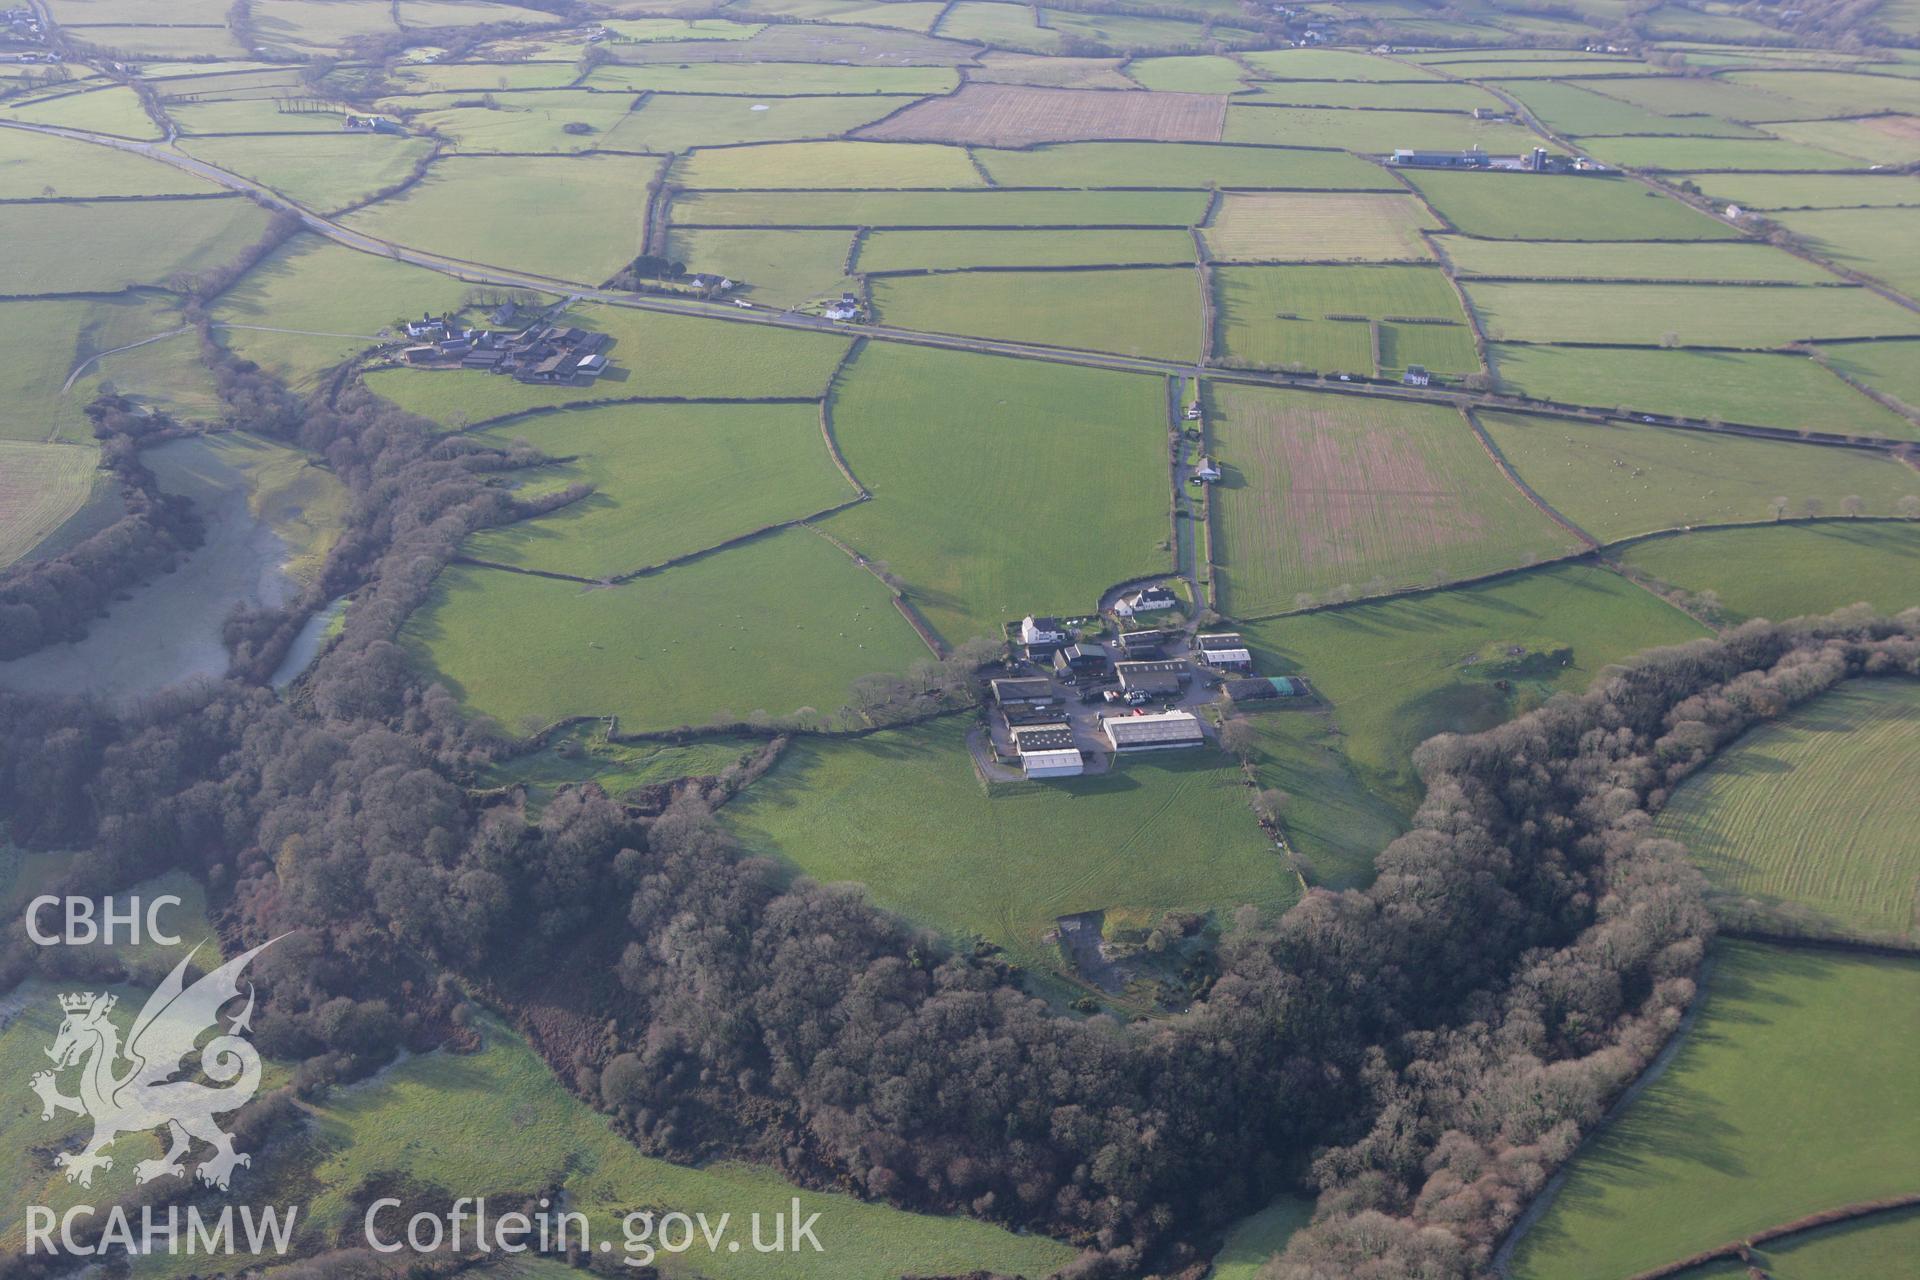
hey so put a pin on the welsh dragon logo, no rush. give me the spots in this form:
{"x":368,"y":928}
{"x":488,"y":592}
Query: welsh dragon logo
{"x":132,"y":1089}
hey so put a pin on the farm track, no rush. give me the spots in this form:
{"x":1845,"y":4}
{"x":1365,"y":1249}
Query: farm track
{"x":484,"y":274}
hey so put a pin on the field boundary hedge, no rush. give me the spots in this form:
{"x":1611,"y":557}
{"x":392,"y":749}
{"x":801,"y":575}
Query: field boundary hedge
{"x":574,"y":406}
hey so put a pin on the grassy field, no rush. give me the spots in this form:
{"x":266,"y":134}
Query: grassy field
{"x":1881,"y":1248}
{"x":527,"y":123}
{"x":941,"y":208}
{"x":1401,"y":671}
{"x":1735,"y":386}
{"x":1145,"y":312}
{"x":41,"y":485}
{"x":1257,"y":1238}
{"x":976,"y":461}
{"x":1887,"y":367}
{"x":1285,"y":316}
{"x":1332,"y":821}
{"x":668,"y":480}
{"x":1729,"y":262}
{"x":1753,"y":316}
{"x":1583,"y":110}
{"x":253,"y":116}
{"x":774,"y":265}
{"x":1198,"y":73}
{"x":590,"y":212}
{"x":1808,"y":810}
{"x":1299,"y":227}
{"x":497,"y":1120}
{"x":1771,"y":191}
{"x":1426,"y":95}
{"x":951,"y":250}
{"x":1624,"y":478}
{"x":335,"y":300}
{"x":1013,"y":115}
{"x":1326,"y":494}
{"x":880,"y":165}
{"x":1874,"y":242}
{"x":904,"y":814}
{"x":1332,"y":64}
{"x":324,"y":172}
{"x":1788,"y":1096}
{"x":1682,"y":154}
{"x":1178,"y":164}
{"x":676,"y":122}
{"x":776,"y":624}
{"x":33,"y":167}
{"x":128,"y":242}
{"x":765,"y":77}
{"x":50,"y":337}
{"x":1373,"y":132}
{"x":1531,"y":206}
{"x":653,"y":354}
{"x":112,"y":110}
{"x":1876,"y":140}
{"x":1785,"y":571}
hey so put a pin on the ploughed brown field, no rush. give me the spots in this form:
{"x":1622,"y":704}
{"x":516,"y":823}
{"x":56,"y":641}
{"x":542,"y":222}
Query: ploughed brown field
{"x":1008,"y":115}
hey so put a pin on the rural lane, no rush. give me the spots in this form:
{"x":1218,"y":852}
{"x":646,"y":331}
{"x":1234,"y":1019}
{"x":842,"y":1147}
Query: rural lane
{"x":502,"y":277}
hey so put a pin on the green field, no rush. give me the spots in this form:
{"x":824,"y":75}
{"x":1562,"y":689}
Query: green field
{"x":668,"y":479}
{"x":497,"y":1121}
{"x":904,"y":814}
{"x":253,"y":116}
{"x":34,"y":167}
{"x":112,"y":110}
{"x":1624,"y":478}
{"x":333,"y":300}
{"x":773,"y":265}
{"x":1882,"y":1247}
{"x":527,"y":122}
{"x":41,"y":485}
{"x":1770,"y":191}
{"x":1725,"y":262}
{"x":1875,"y":242}
{"x":1335,"y":825}
{"x":1733,"y":386}
{"x":1313,"y":317}
{"x":1199,"y":73}
{"x":653,"y":354}
{"x":1583,"y":110}
{"x":1810,"y":810}
{"x":1374,"y":132}
{"x":1753,"y":316}
{"x":1329,"y":495}
{"x":762,"y":77}
{"x":128,"y":242}
{"x":324,"y":172}
{"x":880,"y":165}
{"x":890,"y":250}
{"x":1888,"y":367}
{"x":1682,"y":154}
{"x":1879,"y":140}
{"x":1426,"y":95}
{"x":1789,"y":1096}
{"x":1178,"y":164}
{"x":1531,"y":206}
{"x":1258,"y":1237}
{"x":1333,"y":64}
{"x":1401,"y":671}
{"x":676,"y":122}
{"x":941,"y":208}
{"x":574,"y":218}
{"x":1786,"y":571}
{"x":50,"y":337}
{"x":774,"y":625}
{"x":1146,"y":312}
{"x":1301,"y":227}
{"x":1002,"y":487}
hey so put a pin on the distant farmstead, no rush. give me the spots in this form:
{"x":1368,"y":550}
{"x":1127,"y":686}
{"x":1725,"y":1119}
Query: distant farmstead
{"x":542,"y":353}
